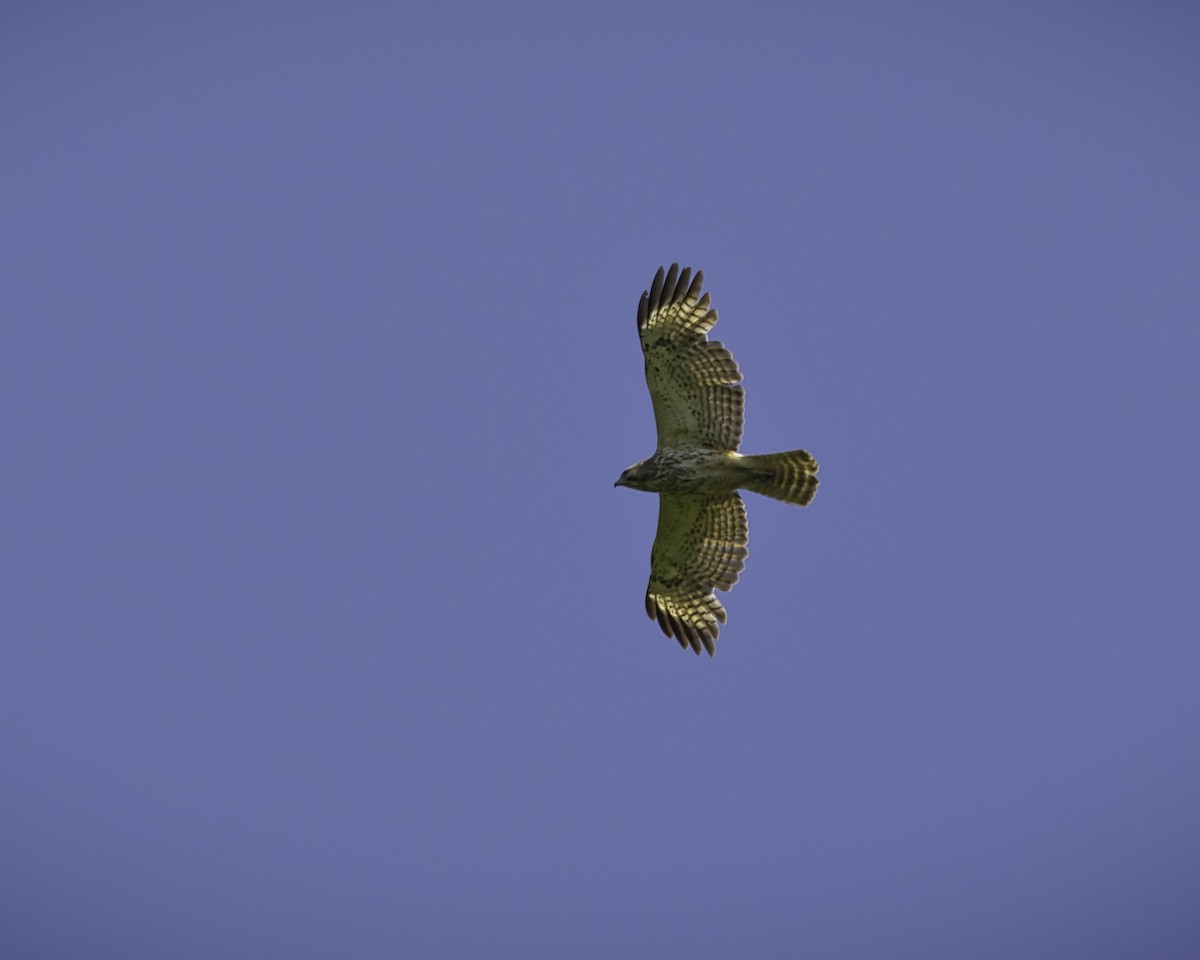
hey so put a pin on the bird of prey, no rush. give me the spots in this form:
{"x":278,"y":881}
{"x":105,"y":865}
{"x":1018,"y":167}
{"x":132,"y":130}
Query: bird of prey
{"x":696,"y":469}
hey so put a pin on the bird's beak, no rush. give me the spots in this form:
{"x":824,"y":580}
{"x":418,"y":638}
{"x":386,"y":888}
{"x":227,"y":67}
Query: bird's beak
{"x":620,"y":482}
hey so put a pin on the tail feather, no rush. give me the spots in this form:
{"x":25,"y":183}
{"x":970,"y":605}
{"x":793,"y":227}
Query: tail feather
{"x":790,"y":477}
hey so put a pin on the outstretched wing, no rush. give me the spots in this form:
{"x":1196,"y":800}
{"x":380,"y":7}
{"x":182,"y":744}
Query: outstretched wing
{"x":693,"y":380}
{"x":700,"y":545}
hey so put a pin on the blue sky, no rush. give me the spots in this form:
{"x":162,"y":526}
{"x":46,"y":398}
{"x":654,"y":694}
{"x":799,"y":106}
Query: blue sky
{"x":322,"y":621}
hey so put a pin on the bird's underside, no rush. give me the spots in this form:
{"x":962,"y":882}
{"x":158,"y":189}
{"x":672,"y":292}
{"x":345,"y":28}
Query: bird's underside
{"x":694,"y":382}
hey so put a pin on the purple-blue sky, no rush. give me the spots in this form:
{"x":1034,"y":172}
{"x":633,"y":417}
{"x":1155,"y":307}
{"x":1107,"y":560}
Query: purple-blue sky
{"x":322,"y":621}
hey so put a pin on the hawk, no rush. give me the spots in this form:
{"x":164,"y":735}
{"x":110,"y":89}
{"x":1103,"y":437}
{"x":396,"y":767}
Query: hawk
{"x":696,"y":469}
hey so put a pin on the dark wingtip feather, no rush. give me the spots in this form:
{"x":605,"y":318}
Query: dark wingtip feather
{"x":667,"y":293}
{"x":681,"y":285}
{"x":664,"y":621}
{"x":655,"y":292}
{"x":692,"y":634}
{"x":689,"y":631}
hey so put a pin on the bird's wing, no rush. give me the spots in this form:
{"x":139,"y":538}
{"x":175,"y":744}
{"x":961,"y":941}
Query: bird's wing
{"x":693,"y":380}
{"x":700,"y":546}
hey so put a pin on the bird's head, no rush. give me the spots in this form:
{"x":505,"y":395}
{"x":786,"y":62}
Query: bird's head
{"x":637,"y":476}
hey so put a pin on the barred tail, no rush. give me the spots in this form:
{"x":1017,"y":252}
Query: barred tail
{"x":790,"y":477}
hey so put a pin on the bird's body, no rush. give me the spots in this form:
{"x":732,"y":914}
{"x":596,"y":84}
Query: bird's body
{"x":687,"y":470}
{"x":696,"y":469}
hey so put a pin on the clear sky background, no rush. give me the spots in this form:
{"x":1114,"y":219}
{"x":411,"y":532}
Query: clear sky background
{"x":322,"y":623}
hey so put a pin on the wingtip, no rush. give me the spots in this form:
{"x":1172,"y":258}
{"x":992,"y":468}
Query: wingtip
{"x":672,"y":284}
{"x":671,"y":281}
{"x":688,"y":635}
{"x":653,"y":296}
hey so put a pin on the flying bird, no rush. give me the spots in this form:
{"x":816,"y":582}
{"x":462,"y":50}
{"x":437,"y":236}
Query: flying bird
{"x":696,"y":469}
